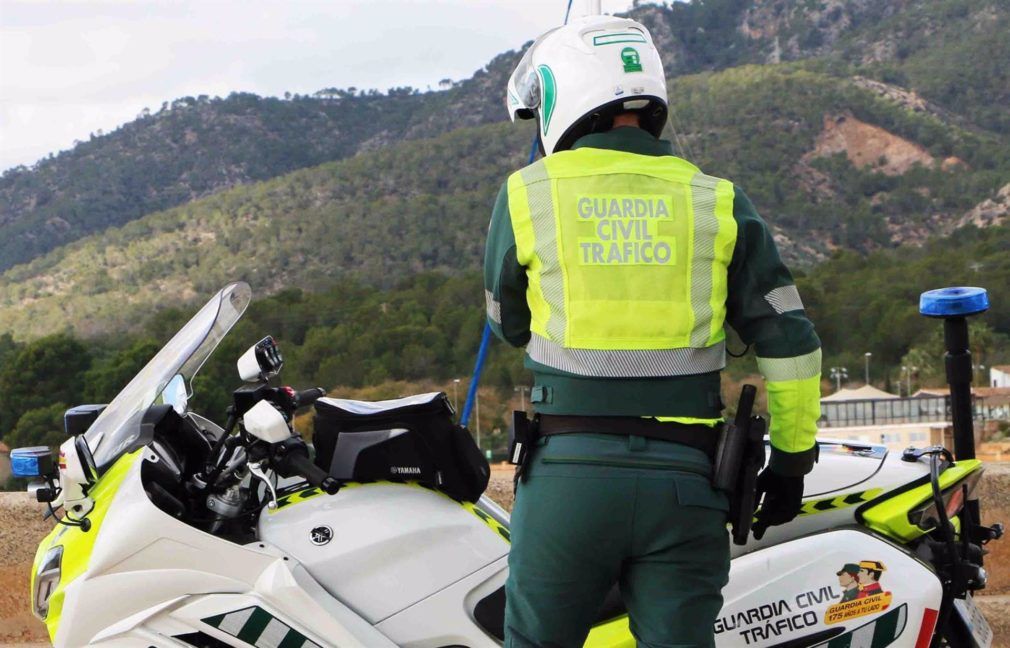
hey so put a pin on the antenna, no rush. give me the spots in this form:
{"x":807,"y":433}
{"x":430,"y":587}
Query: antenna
{"x":954,"y":306}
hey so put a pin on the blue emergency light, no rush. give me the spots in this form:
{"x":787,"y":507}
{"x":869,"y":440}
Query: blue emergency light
{"x":31,"y":463}
{"x":954,"y":302}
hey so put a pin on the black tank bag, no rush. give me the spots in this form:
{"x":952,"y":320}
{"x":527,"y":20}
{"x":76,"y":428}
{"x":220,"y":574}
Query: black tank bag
{"x":412,"y":439}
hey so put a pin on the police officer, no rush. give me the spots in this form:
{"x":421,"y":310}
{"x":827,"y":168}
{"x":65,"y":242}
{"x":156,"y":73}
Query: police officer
{"x":616,"y":265}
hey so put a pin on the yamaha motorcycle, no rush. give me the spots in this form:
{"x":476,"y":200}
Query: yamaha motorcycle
{"x":178,"y":532}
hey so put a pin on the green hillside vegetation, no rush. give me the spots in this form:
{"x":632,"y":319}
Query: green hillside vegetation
{"x":190,"y":148}
{"x":869,"y":303}
{"x":421,"y":205}
{"x":425,"y":330}
{"x":424,"y":205}
{"x":423,"y":333}
{"x":196,"y":146}
{"x":952,"y":52}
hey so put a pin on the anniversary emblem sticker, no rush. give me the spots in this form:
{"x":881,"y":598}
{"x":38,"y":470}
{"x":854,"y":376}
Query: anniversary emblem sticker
{"x":862,"y":593}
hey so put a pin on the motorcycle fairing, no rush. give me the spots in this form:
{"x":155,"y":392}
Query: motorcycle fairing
{"x":793,"y":594}
{"x":392,"y":544}
{"x":78,"y":545}
{"x":135,"y":547}
{"x":878,"y":633}
{"x":889,"y":514}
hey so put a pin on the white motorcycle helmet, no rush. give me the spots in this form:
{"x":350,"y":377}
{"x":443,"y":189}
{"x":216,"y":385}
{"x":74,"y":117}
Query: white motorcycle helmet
{"x":574,"y":79}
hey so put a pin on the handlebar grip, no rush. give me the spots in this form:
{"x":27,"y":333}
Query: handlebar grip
{"x":300,"y":464}
{"x":308,"y":396}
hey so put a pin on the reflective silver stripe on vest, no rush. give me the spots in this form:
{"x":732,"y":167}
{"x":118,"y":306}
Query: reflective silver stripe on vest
{"x":545,"y":245}
{"x":493,"y":307}
{"x":706,"y":228}
{"x":800,"y":367}
{"x":596,"y":363}
{"x":785,"y":299}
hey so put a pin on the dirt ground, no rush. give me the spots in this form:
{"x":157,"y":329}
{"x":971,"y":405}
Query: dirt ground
{"x":21,"y":528}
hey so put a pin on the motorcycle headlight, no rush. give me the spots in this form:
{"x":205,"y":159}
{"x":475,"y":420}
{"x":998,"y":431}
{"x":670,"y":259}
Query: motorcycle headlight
{"x":46,"y":580}
{"x":926,"y":517}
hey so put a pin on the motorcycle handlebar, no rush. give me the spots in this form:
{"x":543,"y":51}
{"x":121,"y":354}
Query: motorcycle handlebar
{"x":308,"y":396}
{"x":297,"y":462}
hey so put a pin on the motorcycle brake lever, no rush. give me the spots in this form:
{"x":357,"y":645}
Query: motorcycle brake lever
{"x":914,"y":454}
{"x":256,"y":470}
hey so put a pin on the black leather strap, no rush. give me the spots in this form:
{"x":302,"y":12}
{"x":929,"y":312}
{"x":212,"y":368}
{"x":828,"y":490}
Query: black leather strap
{"x":698,"y":436}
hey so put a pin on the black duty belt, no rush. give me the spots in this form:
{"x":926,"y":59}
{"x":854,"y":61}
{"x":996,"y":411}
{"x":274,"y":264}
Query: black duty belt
{"x":695,"y":435}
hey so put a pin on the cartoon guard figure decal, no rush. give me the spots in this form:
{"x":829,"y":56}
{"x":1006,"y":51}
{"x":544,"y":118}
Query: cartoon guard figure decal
{"x":861,"y":592}
{"x":848,"y":579}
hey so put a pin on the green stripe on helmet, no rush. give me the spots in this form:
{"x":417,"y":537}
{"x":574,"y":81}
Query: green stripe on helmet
{"x":550,"y":96}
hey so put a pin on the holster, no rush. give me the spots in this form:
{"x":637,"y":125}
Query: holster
{"x":522,"y":438}
{"x":739,"y":458}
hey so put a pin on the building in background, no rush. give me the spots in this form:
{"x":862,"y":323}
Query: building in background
{"x":999,"y":376}
{"x":870,"y":415}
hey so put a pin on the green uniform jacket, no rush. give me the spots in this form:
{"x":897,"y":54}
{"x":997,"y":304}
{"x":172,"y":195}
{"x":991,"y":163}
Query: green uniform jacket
{"x":762,"y":306}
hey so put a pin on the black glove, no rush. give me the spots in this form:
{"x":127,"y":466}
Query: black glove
{"x":782,"y":497}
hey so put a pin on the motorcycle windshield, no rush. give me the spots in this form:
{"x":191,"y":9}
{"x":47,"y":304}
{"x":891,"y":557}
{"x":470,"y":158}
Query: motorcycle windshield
{"x":117,"y":430}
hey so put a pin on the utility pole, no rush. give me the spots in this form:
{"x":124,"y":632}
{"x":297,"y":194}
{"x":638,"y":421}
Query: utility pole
{"x":908,"y":379}
{"x":867,"y":356}
{"x":838,"y":374}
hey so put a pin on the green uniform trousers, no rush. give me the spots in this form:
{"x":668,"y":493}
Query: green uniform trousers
{"x":598,"y":509}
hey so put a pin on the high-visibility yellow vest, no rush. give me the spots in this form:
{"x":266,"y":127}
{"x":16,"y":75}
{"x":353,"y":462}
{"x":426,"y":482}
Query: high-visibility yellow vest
{"x":627,"y":257}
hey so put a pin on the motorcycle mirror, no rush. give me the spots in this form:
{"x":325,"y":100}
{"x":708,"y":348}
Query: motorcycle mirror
{"x":261,"y":362}
{"x":265,"y":423}
{"x":85,"y":462}
{"x":175,"y":394}
{"x":78,"y":419}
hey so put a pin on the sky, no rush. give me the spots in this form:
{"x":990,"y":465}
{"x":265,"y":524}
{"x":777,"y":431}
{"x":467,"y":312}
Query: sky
{"x":69,"y":68}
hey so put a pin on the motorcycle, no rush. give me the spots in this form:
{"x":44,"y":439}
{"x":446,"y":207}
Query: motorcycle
{"x":176,"y":531}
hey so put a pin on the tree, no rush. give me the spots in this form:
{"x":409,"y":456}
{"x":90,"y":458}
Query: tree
{"x":104,"y":380}
{"x":42,"y":426}
{"x":48,"y":370}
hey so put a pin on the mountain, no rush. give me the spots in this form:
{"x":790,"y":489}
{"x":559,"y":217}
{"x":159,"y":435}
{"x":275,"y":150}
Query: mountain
{"x":834,"y":116}
{"x":947,"y":54}
{"x":833,"y":163}
{"x":193,"y":147}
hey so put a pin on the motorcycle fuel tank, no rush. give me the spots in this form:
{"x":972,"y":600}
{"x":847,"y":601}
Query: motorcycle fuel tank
{"x":382,"y":547}
{"x":833,"y":589}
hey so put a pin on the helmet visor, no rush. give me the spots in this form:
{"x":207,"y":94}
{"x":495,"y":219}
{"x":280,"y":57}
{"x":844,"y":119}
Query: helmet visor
{"x":524,"y":85}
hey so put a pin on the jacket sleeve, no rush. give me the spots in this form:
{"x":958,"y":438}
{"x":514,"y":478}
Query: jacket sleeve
{"x":505,"y":280}
{"x":765,"y":309}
